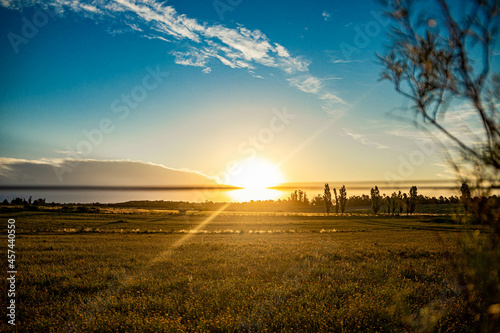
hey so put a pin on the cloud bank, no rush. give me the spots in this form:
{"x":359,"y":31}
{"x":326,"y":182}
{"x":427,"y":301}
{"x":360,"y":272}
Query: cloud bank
{"x":200,"y":44}
{"x":96,"y":173}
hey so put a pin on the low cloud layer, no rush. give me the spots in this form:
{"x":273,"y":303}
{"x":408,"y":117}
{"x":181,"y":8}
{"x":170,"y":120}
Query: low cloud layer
{"x":96,"y":173}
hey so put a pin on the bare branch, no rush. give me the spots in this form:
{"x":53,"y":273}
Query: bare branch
{"x":431,"y":67}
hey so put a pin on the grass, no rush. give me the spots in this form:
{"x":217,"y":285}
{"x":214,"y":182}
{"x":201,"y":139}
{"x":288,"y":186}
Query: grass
{"x":145,"y":272}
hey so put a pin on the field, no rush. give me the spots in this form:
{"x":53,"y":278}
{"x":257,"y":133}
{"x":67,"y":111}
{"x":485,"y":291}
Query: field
{"x":157,"y":271}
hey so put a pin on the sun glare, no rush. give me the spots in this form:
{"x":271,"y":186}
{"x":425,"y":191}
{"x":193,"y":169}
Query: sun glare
{"x":256,"y":174}
{"x":255,"y":194}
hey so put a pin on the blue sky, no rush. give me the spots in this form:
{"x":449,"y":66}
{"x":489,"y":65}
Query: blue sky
{"x":223,"y":72}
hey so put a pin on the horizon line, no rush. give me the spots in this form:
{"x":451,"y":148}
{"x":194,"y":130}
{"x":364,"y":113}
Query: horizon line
{"x":282,"y":187}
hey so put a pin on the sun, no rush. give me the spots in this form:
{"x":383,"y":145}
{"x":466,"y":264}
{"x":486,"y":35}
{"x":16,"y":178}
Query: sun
{"x":256,"y":173}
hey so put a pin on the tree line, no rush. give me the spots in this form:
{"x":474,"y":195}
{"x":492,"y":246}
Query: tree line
{"x":332,"y":201}
{"x":397,"y":203}
{"x":21,"y":201}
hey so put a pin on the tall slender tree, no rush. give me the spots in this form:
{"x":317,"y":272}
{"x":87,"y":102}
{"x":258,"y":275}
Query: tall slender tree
{"x":413,"y":199}
{"x":327,"y":198}
{"x":394,"y":203}
{"x":400,"y":203}
{"x":465,"y":198}
{"x":406,"y":200}
{"x":342,"y":198}
{"x":376,"y":199}
{"x":336,"y":201}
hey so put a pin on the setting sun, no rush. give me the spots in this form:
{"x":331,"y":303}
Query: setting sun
{"x":256,"y":174}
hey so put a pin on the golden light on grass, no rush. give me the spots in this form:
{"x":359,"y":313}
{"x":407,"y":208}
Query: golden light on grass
{"x":244,"y":195}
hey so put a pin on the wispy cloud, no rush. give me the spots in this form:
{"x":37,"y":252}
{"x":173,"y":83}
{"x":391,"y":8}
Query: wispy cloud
{"x":460,"y":120}
{"x":307,"y":83}
{"x":191,"y":57}
{"x":343,"y":61}
{"x":234,"y":47}
{"x":331,"y":103}
{"x":363,"y":139}
{"x":335,"y":58}
{"x":158,"y":37}
{"x":200,"y":44}
{"x":448,"y":172}
{"x":326,"y":15}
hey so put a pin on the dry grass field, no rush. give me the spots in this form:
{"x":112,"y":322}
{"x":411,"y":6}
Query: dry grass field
{"x":153,"y":271}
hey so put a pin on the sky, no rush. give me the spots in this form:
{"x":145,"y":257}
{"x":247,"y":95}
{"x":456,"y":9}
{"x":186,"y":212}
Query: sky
{"x":201,"y":87}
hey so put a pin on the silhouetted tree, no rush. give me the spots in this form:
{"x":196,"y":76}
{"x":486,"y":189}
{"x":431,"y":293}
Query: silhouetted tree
{"x":400,"y":203}
{"x":18,"y":201}
{"x":389,"y":201}
{"x":356,"y":200}
{"x":385,"y":202}
{"x":342,"y":198}
{"x":406,"y":200}
{"x":376,"y":199}
{"x":394,"y":203}
{"x":327,"y":198}
{"x":317,"y":200}
{"x":306,"y":199}
{"x":413,"y":199}
{"x":465,"y":198}
{"x":336,"y":201}
{"x":39,"y":202}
